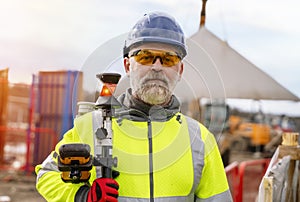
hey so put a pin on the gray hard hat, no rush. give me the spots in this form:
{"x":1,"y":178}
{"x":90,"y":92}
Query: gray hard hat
{"x":156,"y":27}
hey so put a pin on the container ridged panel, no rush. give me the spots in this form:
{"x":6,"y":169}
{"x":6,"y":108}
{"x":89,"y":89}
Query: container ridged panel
{"x":58,"y":92}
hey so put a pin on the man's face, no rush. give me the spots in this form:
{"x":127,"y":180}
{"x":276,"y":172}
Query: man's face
{"x":153,"y":82}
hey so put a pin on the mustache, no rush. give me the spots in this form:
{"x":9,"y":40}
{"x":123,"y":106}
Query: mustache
{"x":155,"y":76}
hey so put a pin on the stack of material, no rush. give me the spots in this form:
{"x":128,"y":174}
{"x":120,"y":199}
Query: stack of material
{"x":282,"y":180}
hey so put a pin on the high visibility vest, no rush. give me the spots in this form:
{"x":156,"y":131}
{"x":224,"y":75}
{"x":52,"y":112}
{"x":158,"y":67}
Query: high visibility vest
{"x":175,"y":160}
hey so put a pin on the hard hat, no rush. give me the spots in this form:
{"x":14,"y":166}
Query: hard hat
{"x":156,"y":27}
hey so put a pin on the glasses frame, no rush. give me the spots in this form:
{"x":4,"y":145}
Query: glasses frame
{"x":171,"y":53}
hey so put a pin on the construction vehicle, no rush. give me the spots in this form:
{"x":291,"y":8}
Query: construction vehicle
{"x":215,"y":117}
{"x":234,"y":131}
{"x":258,"y":134}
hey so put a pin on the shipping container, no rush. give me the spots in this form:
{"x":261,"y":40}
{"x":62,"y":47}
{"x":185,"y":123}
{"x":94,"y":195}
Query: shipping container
{"x":55,"y":107}
{"x":3,"y":109}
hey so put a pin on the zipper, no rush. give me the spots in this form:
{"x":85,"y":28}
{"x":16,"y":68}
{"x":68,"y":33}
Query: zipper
{"x":151,"y":180}
{"x":150,"y":144}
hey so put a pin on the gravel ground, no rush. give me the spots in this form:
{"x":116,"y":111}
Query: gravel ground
{"x":16,"y":186}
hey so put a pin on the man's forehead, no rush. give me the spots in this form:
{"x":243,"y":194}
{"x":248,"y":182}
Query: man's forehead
{"x":155,"y":46}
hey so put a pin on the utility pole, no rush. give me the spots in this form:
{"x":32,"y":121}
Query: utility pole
{"x":203,"y":12}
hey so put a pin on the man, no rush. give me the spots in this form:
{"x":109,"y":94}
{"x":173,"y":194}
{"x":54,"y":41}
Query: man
{"x":162,"y":154}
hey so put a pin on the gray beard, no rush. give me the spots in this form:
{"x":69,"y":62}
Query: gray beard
{"x":154,"y":94}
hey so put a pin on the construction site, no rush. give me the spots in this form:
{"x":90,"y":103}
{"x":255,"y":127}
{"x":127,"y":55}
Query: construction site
{"x":260,"y":151}
{"x":34,"y":118}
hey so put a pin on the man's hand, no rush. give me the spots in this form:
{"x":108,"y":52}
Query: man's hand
{"x":103,"y":190}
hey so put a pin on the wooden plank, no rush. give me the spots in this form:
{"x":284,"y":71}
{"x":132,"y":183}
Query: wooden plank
{"x":293,"y":151}
{"x":268,"y":189}
{"x":290,"y":139}
{"x":289,"y":190}
{"x":290,"y":147}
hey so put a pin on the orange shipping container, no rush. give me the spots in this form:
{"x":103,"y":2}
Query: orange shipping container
{"x":3,"y":109}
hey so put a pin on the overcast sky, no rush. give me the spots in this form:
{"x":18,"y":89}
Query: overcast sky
{"x":54,"y":35}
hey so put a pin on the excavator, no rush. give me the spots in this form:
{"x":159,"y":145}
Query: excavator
{"x":235,"y":131}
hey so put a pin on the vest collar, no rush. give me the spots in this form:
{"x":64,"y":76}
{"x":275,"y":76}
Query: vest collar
{"x":135,"y":109}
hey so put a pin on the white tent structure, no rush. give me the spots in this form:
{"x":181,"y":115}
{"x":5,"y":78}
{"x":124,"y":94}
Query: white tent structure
{"x":239,"y":77}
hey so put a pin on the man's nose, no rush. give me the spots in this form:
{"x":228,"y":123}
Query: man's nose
{"x":157,"y":63}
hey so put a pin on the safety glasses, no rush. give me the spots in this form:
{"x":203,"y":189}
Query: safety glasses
{"x":148,"y":57}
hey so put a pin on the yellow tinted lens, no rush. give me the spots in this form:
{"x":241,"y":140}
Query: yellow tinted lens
{"x":144,"y":57}
{"x":148,"y":57}
{"x":170,"y":60}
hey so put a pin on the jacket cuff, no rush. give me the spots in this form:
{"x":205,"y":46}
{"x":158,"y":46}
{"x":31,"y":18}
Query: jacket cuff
{"x":81,"y":194}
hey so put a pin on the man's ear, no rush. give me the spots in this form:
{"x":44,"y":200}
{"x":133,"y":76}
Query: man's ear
{"x":181,"y":67}
{"x":126,"y":64}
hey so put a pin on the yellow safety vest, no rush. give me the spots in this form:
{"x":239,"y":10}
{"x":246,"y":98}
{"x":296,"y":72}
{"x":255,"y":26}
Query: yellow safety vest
{"x":167,"y":161}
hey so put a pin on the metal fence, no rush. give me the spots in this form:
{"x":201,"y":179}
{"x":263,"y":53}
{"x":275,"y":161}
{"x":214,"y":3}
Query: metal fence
{"x":244,"y":178}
